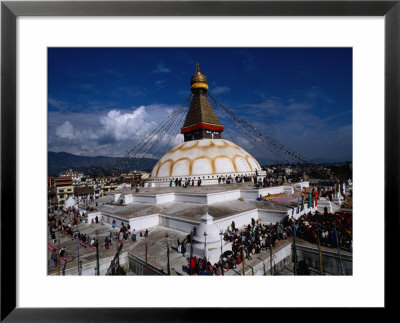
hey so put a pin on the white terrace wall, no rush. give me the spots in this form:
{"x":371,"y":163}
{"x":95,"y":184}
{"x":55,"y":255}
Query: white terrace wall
{"x":249,"y":194}
{"x":223,"y":196}
{"x":177,"y":223}
{"x":144,"y":222}
{"x":207,"y":198}
{"x":330,"y":260}
{"x":280,"y":259}
{"x":128,"y":198}
{"x":270,"y":190}
{"x":116,"y":197}
{"x":255,"y":193}
{"x":301,"y":185}
{"x":150,"y":199}
{"x":93,"y":216}
{"x":191,"y":198}
{"x":288,"y":190}
{"x":240,"y":219}
{"x":138,"y":223}
{"x":164,"y":198}
{"x":271,"y":216}
{"x":108,"y":218}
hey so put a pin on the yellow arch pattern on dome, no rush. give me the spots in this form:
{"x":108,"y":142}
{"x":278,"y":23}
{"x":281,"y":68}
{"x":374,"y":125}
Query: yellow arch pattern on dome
{"x":187,"y":155}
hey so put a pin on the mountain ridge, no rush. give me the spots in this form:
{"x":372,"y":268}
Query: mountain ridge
{"x":59,"y":162}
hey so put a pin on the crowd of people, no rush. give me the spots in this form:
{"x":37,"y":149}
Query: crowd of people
{"x":310,"y":227}
{"x":266,"y":182}
{"x":71,"y":216}
{"x":253,"y":239}
{"x":202,"y":267}
{"x":187,"y":181}
{"x":257,"y":236}
{"x":249,"y":241}
{"x":67,"y":223}
{"x":235,"y":179}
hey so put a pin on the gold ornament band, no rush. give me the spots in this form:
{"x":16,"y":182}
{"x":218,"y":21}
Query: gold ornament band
{"x":199,"y":86}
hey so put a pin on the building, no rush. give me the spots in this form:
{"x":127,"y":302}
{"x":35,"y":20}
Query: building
{"x":51,"y":193}
{"x":76,"y":176}
{"x":63,"y":193}
{"x":64,"y":189}
{"x":84,"y":191}
{"x":59,"y":190}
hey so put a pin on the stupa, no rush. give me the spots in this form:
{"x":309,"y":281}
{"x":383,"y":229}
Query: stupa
{"x":207,"y":240}
{"x":203,"y":154}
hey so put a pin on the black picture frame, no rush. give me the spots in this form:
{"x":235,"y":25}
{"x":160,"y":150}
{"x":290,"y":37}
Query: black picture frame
{"x":10,"y":10}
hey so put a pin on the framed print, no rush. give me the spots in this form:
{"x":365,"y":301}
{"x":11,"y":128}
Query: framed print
{"x":88,"y":79}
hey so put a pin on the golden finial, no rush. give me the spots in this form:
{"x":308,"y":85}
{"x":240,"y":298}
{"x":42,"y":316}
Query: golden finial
{"x":198,"y":81}
{"x":198,"y":70}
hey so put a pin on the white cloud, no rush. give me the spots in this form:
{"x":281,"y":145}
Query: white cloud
{"x":220,"y":90}
{"x":110,"y":134}
{"x":122,"y":126}
{"x":58,"y":104}
{"x":161,"y":68}
{"x":66,"y":130}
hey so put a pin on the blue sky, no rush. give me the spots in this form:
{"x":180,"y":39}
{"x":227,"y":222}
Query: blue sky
{"x":102,"y":101}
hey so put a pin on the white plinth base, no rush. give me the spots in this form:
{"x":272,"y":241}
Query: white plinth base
{"x":213,"y":254}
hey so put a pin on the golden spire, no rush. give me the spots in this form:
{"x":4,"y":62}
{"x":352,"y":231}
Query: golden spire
{"x":198,"y":81}
{"x":201,"y":120}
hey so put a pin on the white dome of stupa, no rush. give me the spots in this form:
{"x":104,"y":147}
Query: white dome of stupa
{"x":205,"y":157}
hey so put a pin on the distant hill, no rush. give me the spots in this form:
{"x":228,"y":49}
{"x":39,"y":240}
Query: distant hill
{"x":99,"y":165}
{"x":318,"y":160}
{"x":321,"y":160}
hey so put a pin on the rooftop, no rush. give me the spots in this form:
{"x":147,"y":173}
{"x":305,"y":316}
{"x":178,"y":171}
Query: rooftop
{"x":188,"y":210}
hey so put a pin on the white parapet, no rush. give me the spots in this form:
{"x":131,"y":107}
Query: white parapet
{"x":302,"y":185}
{"x":272,"y":216}
{"x":180,"y":224}
{"x":153,"y":198}
{"x":322,"y":203}
{"x":191,"y":198}
{"x":240,"y":219}
{"x":92,"y":215}
{"x":128,"y":199}
{"x":255,"y":193}
{"x":200,"y":198}
{"x":223,"y":196}
{"x":144,"y":222}
{"x":288,"y":190}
